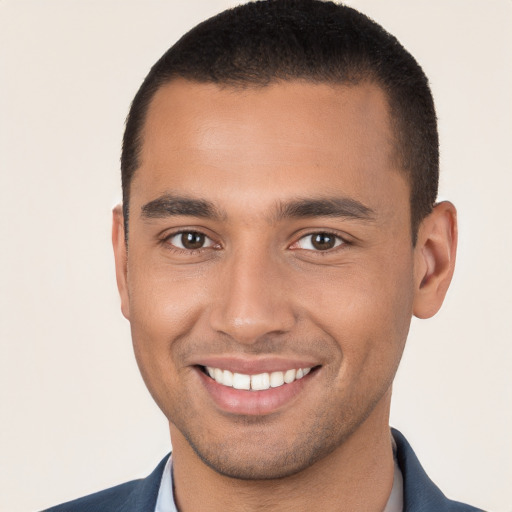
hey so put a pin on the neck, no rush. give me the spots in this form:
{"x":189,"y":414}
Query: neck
{"x":357,"y":476}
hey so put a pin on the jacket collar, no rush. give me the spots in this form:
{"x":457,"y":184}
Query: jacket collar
{"x":420,"y":493}
{"x":143,"y":496}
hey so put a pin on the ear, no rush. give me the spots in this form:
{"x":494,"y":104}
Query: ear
{"x":434,"y":259}
{"x":121,"y":258}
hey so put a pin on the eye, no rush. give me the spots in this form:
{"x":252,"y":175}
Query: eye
{"x":321,"y":241}
{"x":190,"y":240}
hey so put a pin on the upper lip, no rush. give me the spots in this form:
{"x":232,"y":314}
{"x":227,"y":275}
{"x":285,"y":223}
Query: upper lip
{"x":255,"y":366}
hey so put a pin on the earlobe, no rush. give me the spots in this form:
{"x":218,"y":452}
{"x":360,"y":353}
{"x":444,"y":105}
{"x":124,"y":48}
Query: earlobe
{"x":434,"y":263}
{"x":121,"y":258}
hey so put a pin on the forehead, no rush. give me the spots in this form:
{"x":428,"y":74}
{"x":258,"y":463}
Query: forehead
{"x":288,"y":137}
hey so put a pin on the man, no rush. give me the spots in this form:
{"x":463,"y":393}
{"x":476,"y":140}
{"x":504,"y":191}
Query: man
{"x":278,"y":231}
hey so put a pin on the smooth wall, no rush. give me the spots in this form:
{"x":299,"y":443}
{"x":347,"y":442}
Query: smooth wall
{"x":75,"y":415}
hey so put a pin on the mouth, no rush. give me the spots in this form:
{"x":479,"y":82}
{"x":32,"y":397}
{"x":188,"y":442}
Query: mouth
{"x":257,"y":393}
{"x":258,"y":382}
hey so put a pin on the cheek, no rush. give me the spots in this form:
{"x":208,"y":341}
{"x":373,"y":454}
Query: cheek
{"x":163,"y":312}
{"x":367,"y":310}
{"x":165,"y":306}
{"x":164,"y":301}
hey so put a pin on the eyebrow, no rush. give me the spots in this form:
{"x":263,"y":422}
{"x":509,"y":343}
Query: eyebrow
{"x":340,"y":207}
{"x":170,"y":205}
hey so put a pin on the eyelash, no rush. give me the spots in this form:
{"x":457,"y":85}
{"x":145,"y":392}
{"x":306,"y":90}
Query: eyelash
{"x":341,"y":242}
{"x":189,"y":252}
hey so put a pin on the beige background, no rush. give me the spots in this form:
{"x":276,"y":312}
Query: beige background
{"x":75,"y":415}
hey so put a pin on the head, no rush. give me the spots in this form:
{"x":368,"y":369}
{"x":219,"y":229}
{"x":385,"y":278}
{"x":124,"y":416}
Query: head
{"x":279,"y":178}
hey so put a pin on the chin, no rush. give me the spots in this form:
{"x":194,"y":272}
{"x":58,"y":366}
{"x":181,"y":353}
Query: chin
{"x":266,"y":459}
{"x":245,"y":467}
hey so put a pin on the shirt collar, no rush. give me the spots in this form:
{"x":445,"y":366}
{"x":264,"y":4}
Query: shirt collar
{"x":165,"y":501}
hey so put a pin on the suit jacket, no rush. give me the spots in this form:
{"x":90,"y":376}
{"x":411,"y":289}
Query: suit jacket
{"x":420,"y":493}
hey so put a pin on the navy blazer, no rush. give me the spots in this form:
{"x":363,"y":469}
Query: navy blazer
{"x":420,"y":493}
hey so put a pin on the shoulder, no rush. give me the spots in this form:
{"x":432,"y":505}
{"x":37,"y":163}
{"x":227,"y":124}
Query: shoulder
{"x":136,"y":495}
{"x":108,"y":499}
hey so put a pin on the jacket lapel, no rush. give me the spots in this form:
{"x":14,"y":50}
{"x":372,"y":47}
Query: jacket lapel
{"x":143,"y":496}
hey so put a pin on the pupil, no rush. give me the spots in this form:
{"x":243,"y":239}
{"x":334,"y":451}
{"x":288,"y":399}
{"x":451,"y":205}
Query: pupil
{"x":323,"y":241}
{"x":192,"y":240}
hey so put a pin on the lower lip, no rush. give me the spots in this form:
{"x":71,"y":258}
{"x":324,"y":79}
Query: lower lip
{"x":240,"y":401}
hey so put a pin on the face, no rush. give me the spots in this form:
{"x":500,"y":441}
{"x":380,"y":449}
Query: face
{"x":270,"y":274}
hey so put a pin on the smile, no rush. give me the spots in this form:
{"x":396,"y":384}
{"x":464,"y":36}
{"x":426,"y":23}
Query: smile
{"x":258,"y":382}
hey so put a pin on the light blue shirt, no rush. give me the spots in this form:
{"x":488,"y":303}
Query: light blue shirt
{"x":165,"y":501}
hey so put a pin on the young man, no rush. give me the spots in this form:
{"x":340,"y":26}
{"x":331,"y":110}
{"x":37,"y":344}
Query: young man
{"x":278,"y":231}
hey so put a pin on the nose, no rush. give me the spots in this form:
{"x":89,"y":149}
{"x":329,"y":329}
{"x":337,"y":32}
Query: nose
{"x":254,"y":299}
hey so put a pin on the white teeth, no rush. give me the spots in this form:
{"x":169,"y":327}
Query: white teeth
{"x":289,"y":376}
{"x":259,"y":382}
{"x":276,"y":379}
{"x":218,"y":375}
{"x":240,"y":381}
{"x":227,"y":378}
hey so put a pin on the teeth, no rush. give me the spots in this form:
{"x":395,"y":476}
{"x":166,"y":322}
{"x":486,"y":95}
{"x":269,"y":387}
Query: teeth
{"x":276,"y":379}
{"x":227,"y":378}
{"x":257,"y":382}
{"x":240,"y":381}
{"x":289,"y":376}
{"x":260,"y":381}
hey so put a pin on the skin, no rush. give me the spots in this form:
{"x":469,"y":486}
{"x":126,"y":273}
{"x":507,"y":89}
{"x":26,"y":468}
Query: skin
{"x":259,"y":291}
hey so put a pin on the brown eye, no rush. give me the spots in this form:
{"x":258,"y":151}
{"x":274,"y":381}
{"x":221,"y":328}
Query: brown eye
{"x":190,"y":240}
{"x":319,"y":241}
{"x":323,"y":241}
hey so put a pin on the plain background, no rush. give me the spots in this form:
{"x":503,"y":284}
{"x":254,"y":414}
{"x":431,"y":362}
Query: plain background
{"x":75,"y":415}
